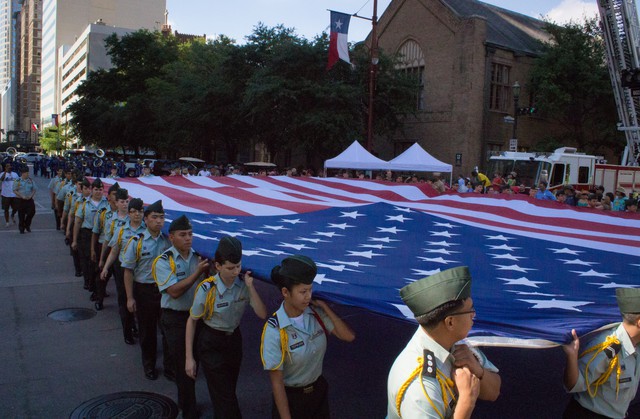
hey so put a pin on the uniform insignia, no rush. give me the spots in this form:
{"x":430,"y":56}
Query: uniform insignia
{"x":429,"y":364}
{"x":296,"y":345}
{"x":273,"y":322}
{"x":625,"y":380}
{"x":612,"y":350}
{"x":294,"y":335}
{"x":225,"y":304}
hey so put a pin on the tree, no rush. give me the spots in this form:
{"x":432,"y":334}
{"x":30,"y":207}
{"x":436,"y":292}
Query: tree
{"x":53,"y":139}
{"x":571,"y":86}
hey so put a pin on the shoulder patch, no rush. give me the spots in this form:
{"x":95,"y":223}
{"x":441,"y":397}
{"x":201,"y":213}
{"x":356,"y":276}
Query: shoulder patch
{"x":167,"y":254}
{"x":273,"y":321}
{"x":429,"y":364}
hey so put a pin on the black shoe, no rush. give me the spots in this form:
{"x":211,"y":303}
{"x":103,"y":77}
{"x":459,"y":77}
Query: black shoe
{"x":93,"y":297}
{"x":98,"y":305}
{"x":21,"y":231}
{"x":79,"y":274}
{"x":86,"y":286}
{"x":151,"y":374}
{"x":28,"y":229}
{"x":129,"y":340}
{"x":170,"y":375}
{"x":134,"y":332}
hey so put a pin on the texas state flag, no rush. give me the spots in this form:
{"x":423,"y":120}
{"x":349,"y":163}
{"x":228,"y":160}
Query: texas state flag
{"x":338,"y":45}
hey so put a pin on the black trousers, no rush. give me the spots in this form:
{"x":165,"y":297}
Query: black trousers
{"x":58,"y":212}
{"x":309,"y":402}
{"x":126,"y":317}
{"x":26,"y":211}
{"x":147,"y":299}
{"x":575,"y":410}
{"x":173,"y":323}
{"x":89,"y":268}
{"x":220,"y":357}
{"x":101,"y":286}
{"x":74,"y":254}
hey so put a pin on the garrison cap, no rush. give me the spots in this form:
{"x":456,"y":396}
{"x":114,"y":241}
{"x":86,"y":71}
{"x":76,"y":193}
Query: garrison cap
{"x":297,"y":268}
{"x":426,"y":294}
{"x":136,"y":203}
{"x":230,"y":249}
{"x":182,"y":223}
{"x":114,"y":187}
{"x":155,"y":207}
{"x":97,"y":183}
{"x":628,"y":300}
{"x":85,"y":182}
{"x":122,"y":193}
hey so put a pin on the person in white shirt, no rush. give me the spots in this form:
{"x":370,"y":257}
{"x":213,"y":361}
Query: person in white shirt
{"x":8,"y":197}
{"x":204,"y":172}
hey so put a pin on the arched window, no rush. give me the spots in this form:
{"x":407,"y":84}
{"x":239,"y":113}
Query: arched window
{"x":412,"y":62}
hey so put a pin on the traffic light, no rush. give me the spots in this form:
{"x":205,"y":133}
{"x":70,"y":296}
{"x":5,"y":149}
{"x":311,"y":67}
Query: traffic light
{"x":630,"y":78}
{"x":529,"y":111}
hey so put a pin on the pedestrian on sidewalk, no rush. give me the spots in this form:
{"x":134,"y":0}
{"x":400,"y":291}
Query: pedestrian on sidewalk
{"x":25,"y":188}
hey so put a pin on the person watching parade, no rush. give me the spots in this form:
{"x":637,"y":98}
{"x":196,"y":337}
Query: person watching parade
{"x":9,"y":200}
{"x":543,"y":193}
{"x":176,"y":271}
{"x":294,"y":342}
{"x":603,"y":377}
{"x":25,"y":188}
{"x":220,"y":301}
{"x":143,"y":297}
{"x":448,"y":376}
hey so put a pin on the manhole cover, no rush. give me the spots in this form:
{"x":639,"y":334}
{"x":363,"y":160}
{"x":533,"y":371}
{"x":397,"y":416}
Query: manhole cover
{"x":71,"y":314}
{"x":128,"y":404}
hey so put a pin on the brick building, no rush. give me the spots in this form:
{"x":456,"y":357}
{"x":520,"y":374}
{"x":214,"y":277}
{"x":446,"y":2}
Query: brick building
{"x":468,"y":55}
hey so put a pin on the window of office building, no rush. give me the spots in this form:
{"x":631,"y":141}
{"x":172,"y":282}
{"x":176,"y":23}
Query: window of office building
{"x":412,"y":62}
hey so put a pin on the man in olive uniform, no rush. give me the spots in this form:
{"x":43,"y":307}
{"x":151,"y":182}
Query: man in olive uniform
{"x":100,"y":223}
{"x":176,"y":272}
{"x":143,"y":297}
{"x":603,"y":376}
{"x":435,"y":366}
{"x":25,"y":188}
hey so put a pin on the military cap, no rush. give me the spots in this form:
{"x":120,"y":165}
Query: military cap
{"x":182,"y":223}
{"x":230,"y":249}
{"x":155,"y":207}
{"x":297,"y":268}
{"x":426,"y":294}
{"x":122,"y":193}
{"x":136,"y":203}
{"x":85,"y":182}
{"x":628,"y":300}
{"x":114,"y":187}
{"x":97,"y":183}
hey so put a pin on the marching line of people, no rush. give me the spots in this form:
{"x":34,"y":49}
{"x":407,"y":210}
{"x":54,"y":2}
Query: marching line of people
{"x":163,"y":283}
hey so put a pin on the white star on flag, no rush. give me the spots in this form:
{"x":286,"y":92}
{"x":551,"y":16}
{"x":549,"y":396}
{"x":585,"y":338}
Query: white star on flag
{"x":298,"y":247}
{"x":577,"y":262}
{"x":443,"y":244}
{"x":523,"y":281}
{"x":591,"y":272}
{"x":316,"y":241}
{"x":514,"y":268}
{"x":375,"y":246}
{"x":444,"y":225}
{"x":200,"y":236}
{"x":254,"y":231}
{"x":392,"y":230}
{"x":443,"y":234}
{"x":537,"y":294}
{"x":508,"y":256}
{"x":292,"y":221}
{"x":252,"y":253}
{"x":400,"y":218}
{"x":337,"y":268}
{"x":383,"y":239}
{"x":404,"y":310}
{"x":275,"y":228}
{"x":227,"y":220}
{"x":403,"y":209}
{"x":502,"y":247}
{"x":422,"y":272}
{"x":196,"y":221}
{"x":436,"y":260}
{"x":230,"y":233}
{"x":500,"y":237}
{"x":553,"y":303}
{"x":368,"y":254}
{"x":329,"y":234}
{"x":441,"y":251}
{"x":340,"y":226}
{"x":338,"y":24}
{"x":275,"y":252}
{"x":352,"y":214}
{"x":320,"y":278}
{"x":611,"y":285}
{"x":350,"y":263}
{"x":567,"y":251}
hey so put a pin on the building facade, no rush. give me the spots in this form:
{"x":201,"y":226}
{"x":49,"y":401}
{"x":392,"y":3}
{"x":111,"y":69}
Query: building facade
{"x":28,"y":107}
{"x":467,"y":56}
{"x":65,"y":21}
{"x":9,"y":50}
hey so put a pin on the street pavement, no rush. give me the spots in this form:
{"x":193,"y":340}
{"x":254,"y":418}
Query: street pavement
{"x":52,"y":367}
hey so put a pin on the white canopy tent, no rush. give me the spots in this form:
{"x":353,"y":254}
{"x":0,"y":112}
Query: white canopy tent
{"x":356,"y":157}
{"x":416,"y":159}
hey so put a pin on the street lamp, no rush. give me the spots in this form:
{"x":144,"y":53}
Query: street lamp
{"x":515,"y":89}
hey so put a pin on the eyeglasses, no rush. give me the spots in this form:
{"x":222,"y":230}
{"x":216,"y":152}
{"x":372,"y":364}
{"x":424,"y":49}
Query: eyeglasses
{"x":460,"y":313}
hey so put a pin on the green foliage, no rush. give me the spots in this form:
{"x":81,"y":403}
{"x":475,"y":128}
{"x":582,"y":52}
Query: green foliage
{"x":203,"y":98}
{"x":572,"y":87}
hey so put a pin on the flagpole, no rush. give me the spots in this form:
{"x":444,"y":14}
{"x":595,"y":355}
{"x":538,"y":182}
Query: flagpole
{"x":373,"y":65}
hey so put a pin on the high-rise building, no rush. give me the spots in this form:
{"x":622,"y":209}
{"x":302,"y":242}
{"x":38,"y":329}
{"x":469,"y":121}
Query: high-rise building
{"x":65,"y":21}
{"x":9,"y":11}
{"x":30,"y":47}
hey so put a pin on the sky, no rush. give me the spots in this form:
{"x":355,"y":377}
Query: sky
{"x":236,"y":19}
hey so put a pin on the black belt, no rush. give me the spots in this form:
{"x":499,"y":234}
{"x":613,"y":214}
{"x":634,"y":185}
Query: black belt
{"x":145,"y":284}
{"x":170,"y":310}
{"x":310,"y":388}
{"x":219,"y":332}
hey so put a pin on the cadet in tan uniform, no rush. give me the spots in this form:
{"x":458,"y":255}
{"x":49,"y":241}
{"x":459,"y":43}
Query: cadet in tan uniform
{"x":604,"y":376}
{"x":436,"y":376}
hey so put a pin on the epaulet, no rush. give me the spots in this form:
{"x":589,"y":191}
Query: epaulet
{"x":273,"y":321}
{"x":167,"y":254}
{"x":103,"y":210}
{"x":137,"y":236}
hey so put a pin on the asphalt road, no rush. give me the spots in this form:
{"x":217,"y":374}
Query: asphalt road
{"x":49,"y":367}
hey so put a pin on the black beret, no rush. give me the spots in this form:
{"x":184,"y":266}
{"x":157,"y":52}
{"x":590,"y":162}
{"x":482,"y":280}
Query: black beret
{"x":85,"y":182}
{"x":122,"y":193}
{"x":114,"y":187}
{"x":97,"y":183}
{"x":230,"y":249}
{"x":155,"y":207}
{"x":136,"y":203}
{"x":298,"y":269}
{"x":180,"y":223}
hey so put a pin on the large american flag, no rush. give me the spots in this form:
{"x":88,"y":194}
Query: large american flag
{"x":539,"y":268}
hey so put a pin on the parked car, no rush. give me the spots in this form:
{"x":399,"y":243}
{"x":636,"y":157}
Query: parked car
{"x":32,"y":157}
